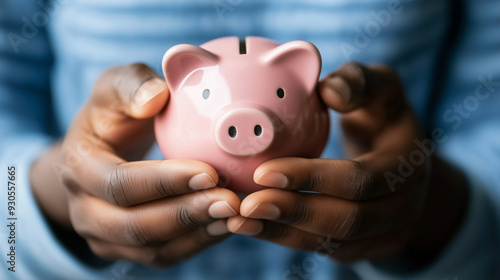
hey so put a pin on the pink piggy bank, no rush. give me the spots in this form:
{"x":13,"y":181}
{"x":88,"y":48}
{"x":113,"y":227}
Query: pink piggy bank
{"x":235,"y":105}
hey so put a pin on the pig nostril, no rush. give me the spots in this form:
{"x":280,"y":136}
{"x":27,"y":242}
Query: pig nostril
{"x":257,"y":130}
{"x":232,"y":132}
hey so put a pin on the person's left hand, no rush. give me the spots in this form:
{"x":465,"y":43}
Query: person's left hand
{"x":376,"y":204}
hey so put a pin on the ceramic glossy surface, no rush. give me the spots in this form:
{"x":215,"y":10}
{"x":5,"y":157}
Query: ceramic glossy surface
{"x":236,"y":105}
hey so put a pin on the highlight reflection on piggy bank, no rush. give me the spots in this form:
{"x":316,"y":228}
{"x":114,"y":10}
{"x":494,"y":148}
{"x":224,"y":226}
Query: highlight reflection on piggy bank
{"x":235,"y":105}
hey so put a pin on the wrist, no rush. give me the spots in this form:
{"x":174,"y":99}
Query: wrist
{"x":49,"y":192}
{"x":443,"y":213}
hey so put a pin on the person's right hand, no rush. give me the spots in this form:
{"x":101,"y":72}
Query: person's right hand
{"x":154,"y":212}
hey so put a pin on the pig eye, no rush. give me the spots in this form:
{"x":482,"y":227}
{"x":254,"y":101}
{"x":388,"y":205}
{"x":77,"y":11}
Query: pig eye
{"x":206,"y":94}
{"x":281,"y":93}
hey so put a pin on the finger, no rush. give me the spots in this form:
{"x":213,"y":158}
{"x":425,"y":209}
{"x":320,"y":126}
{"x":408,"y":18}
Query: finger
{"x":371,"y":98}
{"x":345,"y":179}
{"x":152,"y":223}
{"x":324,"y":215}
{"x":171,"y":252}
{"x":273,"y":232}
{"x":371,"y":248}
{"x":121,"y":183}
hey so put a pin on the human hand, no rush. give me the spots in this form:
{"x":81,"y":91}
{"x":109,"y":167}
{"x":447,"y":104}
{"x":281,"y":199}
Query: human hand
{"x":384,"y":201}
{"x":153,"y":212}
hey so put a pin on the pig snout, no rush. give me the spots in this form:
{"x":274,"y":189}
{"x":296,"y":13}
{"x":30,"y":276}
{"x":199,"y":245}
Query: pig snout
{"x":244,"y":131}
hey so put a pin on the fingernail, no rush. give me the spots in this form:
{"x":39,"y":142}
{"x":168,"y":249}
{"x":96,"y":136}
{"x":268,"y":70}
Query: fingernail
{"x":249,"y":227}
{"x":271,"y":179}
{"x":217,"y":228}
{"x":201,"y":182}
{"x":148,"y":90}
{"x":265,"y":211}
{"x":341,"y":87}
{"x":220,"y":210}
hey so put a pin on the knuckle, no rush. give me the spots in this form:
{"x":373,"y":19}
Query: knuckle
{"x":137,"y":73}
{"x":361,"y":183}
{"x":165,"y":188}
{"x":187,"y":220}
{"x":125,"y":75}
{"x":314,"y":180}
{"x":300,"y":214}
{"x":357,"y":74}
{"x":138,"y":67}
{"x":69,"y":182}
{"x":351,"y":225}
{"x":112,"y":188}
{"x":126,"y":79}
{"x":109,"y":74}
{"x":136,"y":234}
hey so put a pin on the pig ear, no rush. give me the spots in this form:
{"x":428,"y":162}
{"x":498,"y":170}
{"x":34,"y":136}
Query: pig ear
{"x":180,"y":60}
{"x":301,"y":58}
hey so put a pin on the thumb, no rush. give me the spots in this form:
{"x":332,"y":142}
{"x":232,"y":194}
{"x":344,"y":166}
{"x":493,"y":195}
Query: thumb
{"x":354,"y":86}
{"x":374,"y":106}
{"x":133,"y":90}
{"x":120,"y":110}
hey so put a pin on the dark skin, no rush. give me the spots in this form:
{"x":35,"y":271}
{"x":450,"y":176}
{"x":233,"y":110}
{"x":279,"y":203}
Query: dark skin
{"x":127,"y":208}
{"x":154,"y":212}
{"x":354,"y":206}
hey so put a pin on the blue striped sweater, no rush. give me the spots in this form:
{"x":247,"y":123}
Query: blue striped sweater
{"x":52,"y":52}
